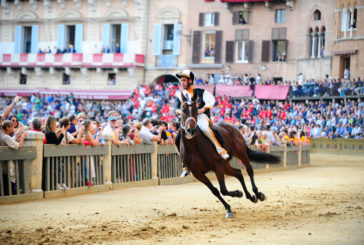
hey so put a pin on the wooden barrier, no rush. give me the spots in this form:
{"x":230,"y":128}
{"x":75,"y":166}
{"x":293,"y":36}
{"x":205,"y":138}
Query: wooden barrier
{"x":14,"y":170}
{"x":68,"y":167}
{"x":337,"y":146}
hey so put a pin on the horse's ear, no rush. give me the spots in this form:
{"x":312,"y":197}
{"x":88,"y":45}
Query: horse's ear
{"x":183,"y":97}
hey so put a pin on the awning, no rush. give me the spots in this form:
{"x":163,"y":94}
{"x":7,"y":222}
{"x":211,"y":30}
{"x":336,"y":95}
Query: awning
{"x":345,"y":52}
{"x":271,"y":92}
{"x":77,"y":94}
{"x":228,"y":90}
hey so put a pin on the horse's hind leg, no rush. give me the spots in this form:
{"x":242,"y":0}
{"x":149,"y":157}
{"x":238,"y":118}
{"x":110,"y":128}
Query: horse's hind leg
{"x":221,"y":178}
{"x":207,"y":182}
{"x":237,"y":174}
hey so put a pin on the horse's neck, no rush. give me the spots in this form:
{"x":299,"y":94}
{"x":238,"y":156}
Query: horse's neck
{"x":189,"y":143}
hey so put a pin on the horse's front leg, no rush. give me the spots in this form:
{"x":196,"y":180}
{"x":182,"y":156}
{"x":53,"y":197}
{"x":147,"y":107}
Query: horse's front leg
{"x":207,"y":182}
{"x":220,"y":175}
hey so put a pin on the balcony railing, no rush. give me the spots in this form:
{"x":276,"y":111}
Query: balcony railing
{"x":114,"y":60}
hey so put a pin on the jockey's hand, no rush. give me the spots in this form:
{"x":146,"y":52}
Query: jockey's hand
{"x":202,"y":110}
{"x":178,"y":112}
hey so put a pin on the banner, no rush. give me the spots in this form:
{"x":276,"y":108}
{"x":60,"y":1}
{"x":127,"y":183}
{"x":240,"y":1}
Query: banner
{"x":271,"y":92}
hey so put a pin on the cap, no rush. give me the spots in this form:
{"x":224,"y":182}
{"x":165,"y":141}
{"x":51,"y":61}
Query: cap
{"x":186,"y":73}
{"x":112,"y":118}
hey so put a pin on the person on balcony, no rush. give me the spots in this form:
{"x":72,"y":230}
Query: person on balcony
{"x":117,"y":48}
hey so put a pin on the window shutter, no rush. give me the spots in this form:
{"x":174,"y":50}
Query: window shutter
{"x":60,"y":37}
{"x":250,"y":51}
{"x":343,"y":20}
{"x":157,"y":39}
{"x":286,"y":49}
{"x":239,"y":35}
{"x":245,"y":34}
{"x":217,"y":18}
{"x":106,"y":35}
{"x":275,"y":33}
{"x":229,"y":58}
{"x":196,"y":48}
{"x":177,"y":30}
{"x":35,"y":39}
{"x":78,"y":38}
{"x":283,"y":16}
{"x":278,"y":16}
{"x":124,"y":38}
{"x":265,"y":51}
{"x":17,"y":39}
{"x":218,"y":41}
{"x":282,"y":33}
{"x":235,"y":17}
{"x":201,"y":18}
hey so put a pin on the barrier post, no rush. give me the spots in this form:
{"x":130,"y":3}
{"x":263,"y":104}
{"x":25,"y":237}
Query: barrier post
{"x":108,"y":137}
{"x":285,"y":156}
{"x":300,"y":155}
{"x":268,"y":150}
{"x":154,"y":159}
{"x":35,"y":167}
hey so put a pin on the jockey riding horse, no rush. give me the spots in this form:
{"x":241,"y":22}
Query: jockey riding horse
{"x":205,"y":101}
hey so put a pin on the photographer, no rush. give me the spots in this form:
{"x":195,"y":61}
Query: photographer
{"x":146,"y":132}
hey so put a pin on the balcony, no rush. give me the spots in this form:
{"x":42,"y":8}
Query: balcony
{"x":114,"y":60}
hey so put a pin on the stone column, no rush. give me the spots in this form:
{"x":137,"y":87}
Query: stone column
{"x":35,"y":169}
{"x":108,"y":137}
{"x":351,"y":21}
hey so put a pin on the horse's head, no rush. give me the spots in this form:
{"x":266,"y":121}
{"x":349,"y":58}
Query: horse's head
{"x":189,"y":116}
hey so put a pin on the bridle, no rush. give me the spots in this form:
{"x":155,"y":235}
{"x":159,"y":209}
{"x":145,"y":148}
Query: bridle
{"x":186,"y":122}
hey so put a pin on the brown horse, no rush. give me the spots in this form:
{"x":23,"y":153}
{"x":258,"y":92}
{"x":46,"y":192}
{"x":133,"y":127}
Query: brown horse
{"x":200,"y":156}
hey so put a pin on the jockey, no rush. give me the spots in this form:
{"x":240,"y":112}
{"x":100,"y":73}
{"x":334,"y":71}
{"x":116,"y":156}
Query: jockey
{"x":205,"y":101}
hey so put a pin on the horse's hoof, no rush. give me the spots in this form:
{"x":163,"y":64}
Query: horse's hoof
{"x":254,"y":199}
{"x":262,"y":197}
{"x":229,"y":215}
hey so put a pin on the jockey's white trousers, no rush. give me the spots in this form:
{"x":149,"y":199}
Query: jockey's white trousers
{"x":203,"y":124}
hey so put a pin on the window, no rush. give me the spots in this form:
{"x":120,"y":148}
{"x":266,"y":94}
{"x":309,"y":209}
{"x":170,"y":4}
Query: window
{"x":209,"y":19}
{"x":168,"y":37}
{"x":27,"y":39}
{"x":23,"y":78}
{"x":240,"y":17}
{"x":115,"y":38}
{"x":70,"y":36}
{"x":279,"y":50}
{"x":241,"y":53}
{"x":280,"y":15}
{"x":317,"y":15}
{"x":111,"y":79}
{"x":66,"y":79}
{"x":355,"y":16}
{"x":208,"y":46}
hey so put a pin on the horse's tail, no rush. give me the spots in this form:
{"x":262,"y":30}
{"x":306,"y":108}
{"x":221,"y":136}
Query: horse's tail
{"x":262,"y":157}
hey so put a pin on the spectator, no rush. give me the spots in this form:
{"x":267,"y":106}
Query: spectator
{"x":52,"y":136}
{"x":146,"y":135}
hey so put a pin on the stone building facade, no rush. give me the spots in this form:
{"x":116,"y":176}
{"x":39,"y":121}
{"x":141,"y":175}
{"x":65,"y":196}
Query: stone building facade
{"x":116,"y":44}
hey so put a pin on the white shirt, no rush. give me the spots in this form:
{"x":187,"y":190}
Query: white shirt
{"x":146,"y":135}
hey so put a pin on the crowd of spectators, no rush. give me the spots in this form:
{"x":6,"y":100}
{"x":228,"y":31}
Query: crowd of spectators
{"x":300,"y":88}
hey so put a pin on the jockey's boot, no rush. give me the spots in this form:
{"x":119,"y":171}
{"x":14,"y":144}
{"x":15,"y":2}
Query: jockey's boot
{"x":221,"y":151}
{"x":185,"y":172}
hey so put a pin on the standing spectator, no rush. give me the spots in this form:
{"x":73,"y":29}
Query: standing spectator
{"x":146,"y":135}
{"x":346,"y":74}
{"x":53,"y":137}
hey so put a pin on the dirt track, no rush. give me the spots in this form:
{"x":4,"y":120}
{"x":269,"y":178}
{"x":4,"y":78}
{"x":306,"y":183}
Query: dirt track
{"x":322,"y":204}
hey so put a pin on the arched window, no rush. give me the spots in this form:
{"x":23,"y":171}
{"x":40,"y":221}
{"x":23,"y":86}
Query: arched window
{"x":317,"y":15}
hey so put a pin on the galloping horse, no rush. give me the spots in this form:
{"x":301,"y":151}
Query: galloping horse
{"x":200,"y":156}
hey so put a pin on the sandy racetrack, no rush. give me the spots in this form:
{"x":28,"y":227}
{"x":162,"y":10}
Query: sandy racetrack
{"x":321,"y":204}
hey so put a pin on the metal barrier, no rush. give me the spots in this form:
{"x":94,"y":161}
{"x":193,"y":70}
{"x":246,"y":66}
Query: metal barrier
{"x":169,"y":162}
{"x":338,"y":146}
{"x":129,"y":164}
{"x":14,"y":170}
{"x":72,"y":166}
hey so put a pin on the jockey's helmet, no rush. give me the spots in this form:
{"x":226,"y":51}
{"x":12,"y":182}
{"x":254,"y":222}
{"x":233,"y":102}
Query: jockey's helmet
{"x":186,"y":73}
